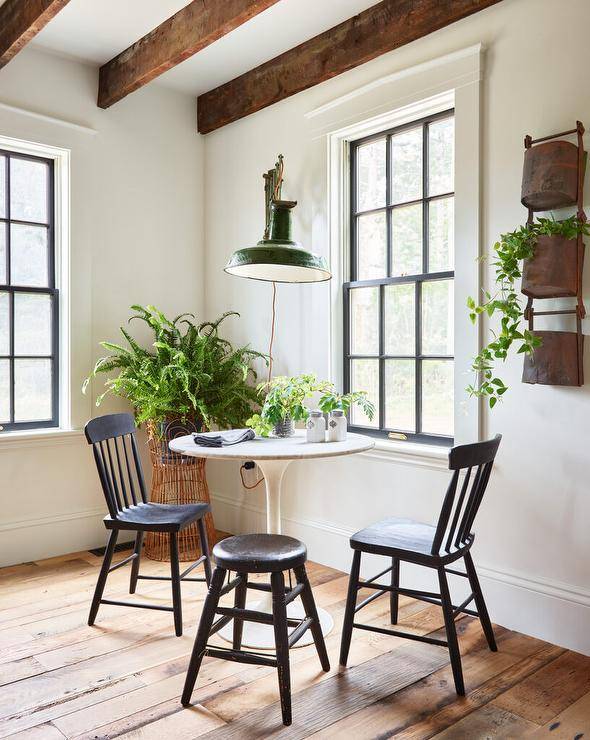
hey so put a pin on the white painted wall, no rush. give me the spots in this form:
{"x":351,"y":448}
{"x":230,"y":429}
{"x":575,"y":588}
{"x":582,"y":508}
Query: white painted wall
{"x":533,"y":547}
{"x":136,"y":237}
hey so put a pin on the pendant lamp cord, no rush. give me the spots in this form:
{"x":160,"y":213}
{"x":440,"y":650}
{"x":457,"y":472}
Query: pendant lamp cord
{"x":272,"y":329}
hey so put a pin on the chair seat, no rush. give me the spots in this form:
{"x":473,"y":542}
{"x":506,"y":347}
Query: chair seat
{"x":403,"y":538}
{"x":259,"y":553}
{"x":157,"y":517}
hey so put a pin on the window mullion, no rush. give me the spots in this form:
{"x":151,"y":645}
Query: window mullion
{"x":388,"y":198}
{"x":353,"y":261}
{"x":425,"y":203}
{"x":418,"y":362}
{"x":381,"y":360}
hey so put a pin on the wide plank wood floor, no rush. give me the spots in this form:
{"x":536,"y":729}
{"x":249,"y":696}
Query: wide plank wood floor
{"x":123,"y":677}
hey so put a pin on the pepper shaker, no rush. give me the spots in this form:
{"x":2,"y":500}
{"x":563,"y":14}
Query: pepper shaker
{"x":316,"y":427}
{"x":337,"y":426}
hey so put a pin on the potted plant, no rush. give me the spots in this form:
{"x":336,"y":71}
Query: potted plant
{"x":189,"y":373}
{"x":511,"y":251}
{"x":285,"y":403}
{"x":188,"y":379}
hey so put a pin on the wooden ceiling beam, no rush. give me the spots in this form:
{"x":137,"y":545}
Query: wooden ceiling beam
{"x":193,"y":28}
{"x":377,"y":30}
{"x":21,"y":20}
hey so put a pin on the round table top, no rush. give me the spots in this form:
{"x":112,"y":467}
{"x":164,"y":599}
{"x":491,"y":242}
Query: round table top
{"x":275,"y":448}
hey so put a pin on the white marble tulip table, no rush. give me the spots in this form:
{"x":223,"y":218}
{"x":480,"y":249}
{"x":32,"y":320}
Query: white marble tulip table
{"x":273,"y":456}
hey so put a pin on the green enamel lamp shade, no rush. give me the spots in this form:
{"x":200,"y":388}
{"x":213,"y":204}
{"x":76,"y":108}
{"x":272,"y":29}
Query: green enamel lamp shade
{"x":278,"y":258}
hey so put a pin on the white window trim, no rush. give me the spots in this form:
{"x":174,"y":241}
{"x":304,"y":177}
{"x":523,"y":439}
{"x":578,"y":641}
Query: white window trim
{"x":61,"y":160}
{"x":450,"y":82}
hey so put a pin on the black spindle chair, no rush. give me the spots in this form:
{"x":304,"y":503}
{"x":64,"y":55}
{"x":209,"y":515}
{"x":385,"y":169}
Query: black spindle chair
{"x":434,"y":547}
{"x":119,"y":468}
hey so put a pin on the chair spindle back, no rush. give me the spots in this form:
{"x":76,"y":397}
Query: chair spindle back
{"x":459,"y":509}
{"x":117,"y":460}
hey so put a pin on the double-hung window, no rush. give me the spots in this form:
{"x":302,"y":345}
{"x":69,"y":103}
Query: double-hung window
{"x":398,"y":304}
{"x":29,"y":364}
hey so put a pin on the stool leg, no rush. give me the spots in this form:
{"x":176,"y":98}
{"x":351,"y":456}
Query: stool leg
{"x":205,"y":549}
{"x":311,"y":611}
{"x":240,"y":603}
{"x":394,"y":597}
{"x":175,"y":574}
{"x":205,"y":624}
{"x":482,"y":610}
{"x":279,"y":612}
{"x":135,"y":563}
{"x":447,"y":607}
{"x":102,"y":578}
{"x":350,"y":606}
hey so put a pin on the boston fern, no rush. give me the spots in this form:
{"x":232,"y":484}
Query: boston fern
{"x":510,"y":251}
{"x":188,"y":372}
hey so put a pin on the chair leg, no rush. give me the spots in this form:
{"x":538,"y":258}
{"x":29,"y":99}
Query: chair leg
{"x":447,"y":607}
{"x":350,"y":606}
{"x":102,"y":577}
{"x":240,"y":603}
{"x":135,"y":563}
{"x":279,"y":611}
{"x":482,"y":610}
{"x":175,"y":574}
{"x":311,"y":611}
{"x":205,"y":624}
{"x":205,"y":549}
{"x":394,"y":597}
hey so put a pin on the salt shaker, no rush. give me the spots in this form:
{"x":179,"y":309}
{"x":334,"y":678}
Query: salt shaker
{"x":337,"y":426}
{"x":316,"y":427}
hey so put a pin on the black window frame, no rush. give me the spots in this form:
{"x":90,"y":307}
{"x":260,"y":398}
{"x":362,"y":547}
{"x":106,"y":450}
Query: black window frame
{"x":418,"y":357}
{"x":51,"y":290}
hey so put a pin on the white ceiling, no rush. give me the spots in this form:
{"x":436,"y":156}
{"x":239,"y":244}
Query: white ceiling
{"x":96,"y":31}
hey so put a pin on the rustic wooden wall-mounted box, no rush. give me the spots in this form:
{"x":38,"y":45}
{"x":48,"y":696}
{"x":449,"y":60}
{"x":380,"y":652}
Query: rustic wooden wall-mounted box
{"x":553,"y":271}
{"x":550,"y":176}
{"x":557,"y":361}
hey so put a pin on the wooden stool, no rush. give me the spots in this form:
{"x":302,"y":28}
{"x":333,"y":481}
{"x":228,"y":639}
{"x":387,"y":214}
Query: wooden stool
{"x":257,"y":553}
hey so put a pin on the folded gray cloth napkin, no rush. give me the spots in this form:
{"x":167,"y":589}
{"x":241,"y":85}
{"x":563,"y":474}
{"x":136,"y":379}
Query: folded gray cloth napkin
{"x":223,"y":439}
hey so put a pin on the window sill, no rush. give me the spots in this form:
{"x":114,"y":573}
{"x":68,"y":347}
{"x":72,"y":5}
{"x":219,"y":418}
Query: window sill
{"x":410,"y":453}
{"x":39,"y":438}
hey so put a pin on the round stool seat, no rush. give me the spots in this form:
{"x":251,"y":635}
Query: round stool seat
{"x":259,"y":553}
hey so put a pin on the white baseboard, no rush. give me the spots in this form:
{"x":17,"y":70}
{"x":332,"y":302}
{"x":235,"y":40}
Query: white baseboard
{"x":549,"y":610}
{"x":44,"y":537}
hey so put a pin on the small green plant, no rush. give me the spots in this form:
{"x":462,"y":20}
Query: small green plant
{"x":331,"y":401}
{"x":188,"y":372}
{"x":510,"y":251}
{"x":285,"y":398}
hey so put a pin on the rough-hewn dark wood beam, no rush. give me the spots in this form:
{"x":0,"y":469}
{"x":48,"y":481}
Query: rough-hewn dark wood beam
{"x":191,"y":29}
{"x":21,"y":20}
{"x":379,"y":29}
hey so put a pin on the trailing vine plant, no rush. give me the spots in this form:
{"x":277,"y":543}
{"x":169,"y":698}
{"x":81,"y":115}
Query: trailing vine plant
{"x":509,"y":252}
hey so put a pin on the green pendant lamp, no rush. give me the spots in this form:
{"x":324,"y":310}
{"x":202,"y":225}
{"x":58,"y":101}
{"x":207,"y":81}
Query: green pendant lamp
{"x":277,"y":257}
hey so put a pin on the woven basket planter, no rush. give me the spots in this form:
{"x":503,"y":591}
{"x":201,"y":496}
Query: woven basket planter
{"x":176,"y":479}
